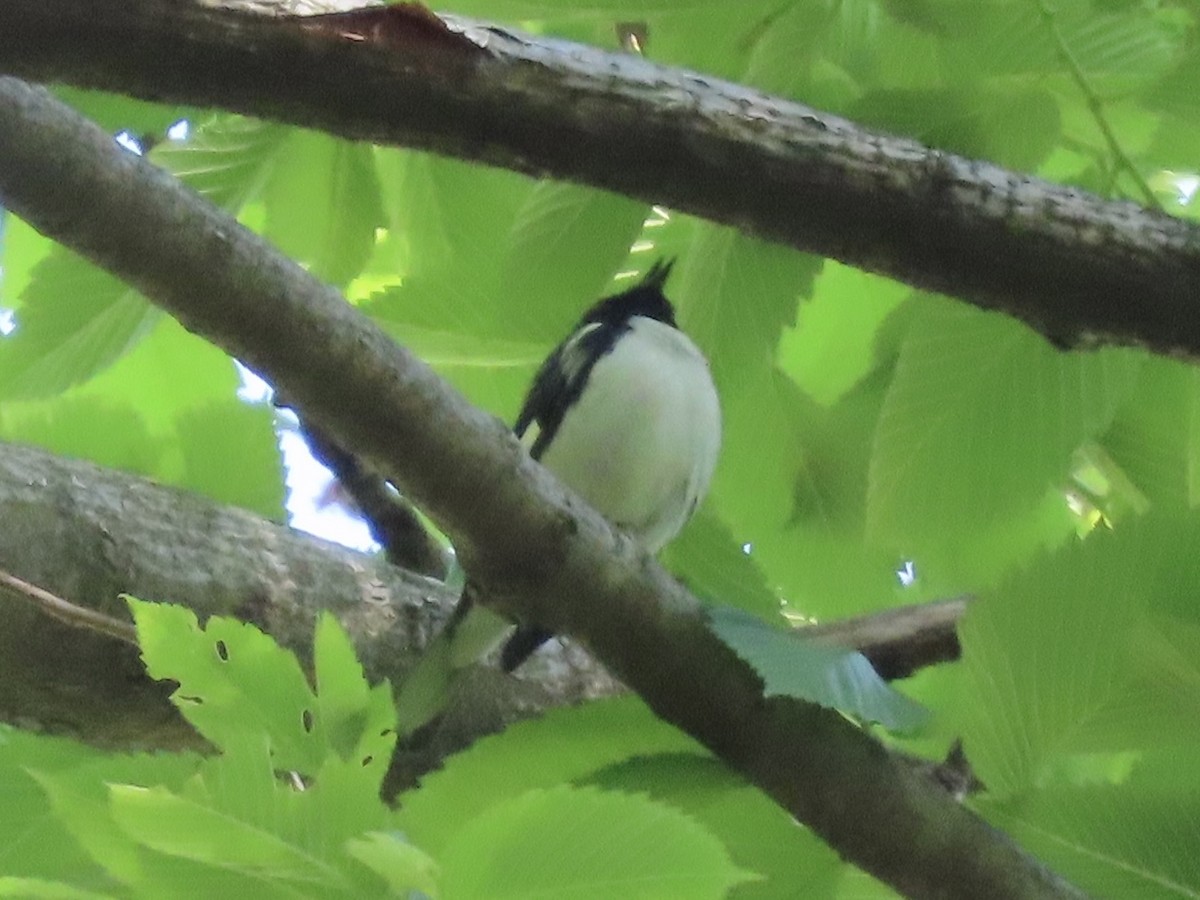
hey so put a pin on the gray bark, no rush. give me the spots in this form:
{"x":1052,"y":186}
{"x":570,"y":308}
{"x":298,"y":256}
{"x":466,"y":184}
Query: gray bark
{"x":1079,"y":269}
{"x":89,"y":534}
{"x":538,"y":552}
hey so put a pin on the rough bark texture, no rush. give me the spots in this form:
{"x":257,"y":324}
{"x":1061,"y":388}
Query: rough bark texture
{"x":89,"y":534}
{"x":534,"y":547}
{"x":1077,"y":268}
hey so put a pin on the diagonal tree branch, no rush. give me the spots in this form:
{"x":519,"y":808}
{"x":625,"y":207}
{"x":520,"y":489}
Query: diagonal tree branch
{"x":540,"y":551}
{"x":1077,"y":268}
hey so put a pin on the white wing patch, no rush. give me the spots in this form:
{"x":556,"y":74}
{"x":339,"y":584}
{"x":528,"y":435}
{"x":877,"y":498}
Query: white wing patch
{"x":574,"y":358}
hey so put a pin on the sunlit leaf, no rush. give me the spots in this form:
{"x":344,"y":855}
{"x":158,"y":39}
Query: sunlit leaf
{"x":758,"y":834}
{"x":226,"y":158}
{"x":323,"y":204}
{"x":577,"y":743}
{"x":230,"y":454}
{"x":403,"y":865}
{"x":74,"y":321}
{"x":42,"y":889}
{"x":982,"y":417}
{"x":1060,"y":660}
{"x":648,"y":850}
{"x":1130,"y":840}
{"x":715,"y":566}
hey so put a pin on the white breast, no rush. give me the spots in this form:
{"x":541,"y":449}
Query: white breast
{"x":641,"y":443}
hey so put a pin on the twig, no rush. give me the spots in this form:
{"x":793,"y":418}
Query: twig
{"x":393,"y":521}
{"x":900,"y":641}
{"x":1095,"y":106}
{"x":68,"y":613}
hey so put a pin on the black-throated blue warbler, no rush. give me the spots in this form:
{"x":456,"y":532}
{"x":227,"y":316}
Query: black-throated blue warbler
{"x":625,"y":413}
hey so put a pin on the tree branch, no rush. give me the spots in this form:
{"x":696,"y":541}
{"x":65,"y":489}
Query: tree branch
{"x":900,"y":641}
{"x":542,"y":553}
{"x":393,"y":523}
{"x":68,"y":613}
{"x":88,"y":534}
{"x":1077,"y":268}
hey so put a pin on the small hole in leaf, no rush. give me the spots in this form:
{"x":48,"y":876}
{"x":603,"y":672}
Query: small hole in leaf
{"x":367,"y":760}
{"x":386,"y":732}
{"x":190,"y":699}
{"x":222,"y":651}
{"x":307,"y":719}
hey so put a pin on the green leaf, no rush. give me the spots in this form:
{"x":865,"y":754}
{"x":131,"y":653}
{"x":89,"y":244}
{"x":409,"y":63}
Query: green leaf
{"x":561,"y":746}
{"x":714,"y":565}
{"x":786,"y":48}
{"x":736,"y":294}
{"x":1067,"y":657}
{"x":1155,"y":436}
{"x":359,"y":719}
{"x":226,"y":159}
{"x":449,"y":349}
{"x":177,"y":826}
{"x":562,"y":250}
{"x":117,"y":112}
{"x":22,"y":250}
{"x":403,"y":866}
{"x":793,"y":483}
{"x":230,"y":454}
{"x":981,"y":418}
{"x":1122,"y":50}
{"x":174,"y":840}
{"x":74,"y":321}
{"x":730,"y":32}
{"x":1175,"y":93}
{"x":448,"y":211}
{"x":323,"y":204}
{"x":759,"y":835}
{"x":791,"y":666}
{"x":233,"y":680}
{"x":1131,"y":840}
{"x":1017,"y":128}
{"x":492,"y":372}
{"x":601,"y":844}
{"x":37,"y":839}
{"x":760,"y":455}
{"x":337,"y":802}
{"x":938,"y":117}
{"x":41,"y":889}
{"x":130,"y":415}
{"x":1021,"y":127}
{"x":1115,"y":51}
{"x":74,"y":817}
{"x":85,"y":428}
{"x":169,"y":373}
{"x":832,"y":346}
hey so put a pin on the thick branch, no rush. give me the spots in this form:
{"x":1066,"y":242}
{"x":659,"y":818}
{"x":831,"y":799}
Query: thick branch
{"x":88,"y":534}
{"x":1075,"y":267}
{"x":537,"y":548}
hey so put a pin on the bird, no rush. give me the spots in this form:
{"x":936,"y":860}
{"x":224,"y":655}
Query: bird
{"x":624,"y":411}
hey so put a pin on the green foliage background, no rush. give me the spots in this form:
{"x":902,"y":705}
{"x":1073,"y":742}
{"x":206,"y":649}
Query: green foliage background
{"x":867,"y":426}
